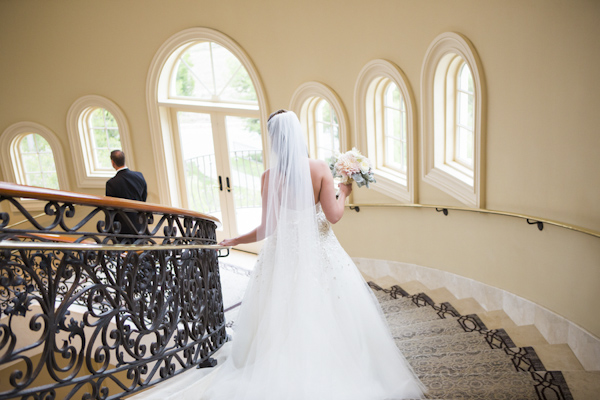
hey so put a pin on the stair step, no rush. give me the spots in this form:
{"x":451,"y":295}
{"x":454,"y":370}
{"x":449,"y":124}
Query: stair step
{"x":385,"y":281}
{"x":448,"y":326}
{"x":583,"y":385}
{"x":397,"y":305}
{"x":412,"y":316}
{"x":414,"y":287}
{"x":468,"y":306}
{"x":497,"y":386}
{"x":496,"y":319}
{"x":441,"y":295}
{"x":459,"y":364}
{"x":446,"y":344}
{"x":558,"y":357}
{"x":525,"y":335}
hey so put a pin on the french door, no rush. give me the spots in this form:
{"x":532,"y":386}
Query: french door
{"x":220,"y":164}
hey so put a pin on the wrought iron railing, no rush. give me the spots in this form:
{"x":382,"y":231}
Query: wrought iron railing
{"x":96,"y":313}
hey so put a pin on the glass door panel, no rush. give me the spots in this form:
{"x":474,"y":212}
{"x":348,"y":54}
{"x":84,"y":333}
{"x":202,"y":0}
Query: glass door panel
{"x":202,"y":184}
{"x":246,"y":166}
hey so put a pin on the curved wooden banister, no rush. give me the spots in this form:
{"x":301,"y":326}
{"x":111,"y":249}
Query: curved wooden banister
{"x":38,"y":193}
{"x":530,"y":219}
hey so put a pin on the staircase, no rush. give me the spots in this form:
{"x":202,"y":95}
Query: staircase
{"x":460,"y":351}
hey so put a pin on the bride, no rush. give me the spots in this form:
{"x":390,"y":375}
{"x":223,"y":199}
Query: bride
{"x":309,"y":327}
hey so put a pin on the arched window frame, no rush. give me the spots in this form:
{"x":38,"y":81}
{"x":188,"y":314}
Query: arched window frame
{"x":304,"y":102}
{"x":157,"y":84}
{"x":442,"y":61}
{"x":10,"y":154}
{"x":80,"y":139}
{"x":369,"y":108}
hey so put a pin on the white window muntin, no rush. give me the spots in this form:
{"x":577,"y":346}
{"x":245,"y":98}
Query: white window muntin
{"x":218,"y":87}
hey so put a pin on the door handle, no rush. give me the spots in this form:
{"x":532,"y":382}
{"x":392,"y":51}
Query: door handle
{"x":220,"y":183}
{"x":228,"y":187}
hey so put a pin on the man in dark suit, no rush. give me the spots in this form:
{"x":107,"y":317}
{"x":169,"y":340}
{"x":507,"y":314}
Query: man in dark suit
{"x":126,"y":184}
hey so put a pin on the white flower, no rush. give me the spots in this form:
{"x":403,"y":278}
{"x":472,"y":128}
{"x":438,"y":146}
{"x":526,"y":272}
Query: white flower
{"x":365,"y":166}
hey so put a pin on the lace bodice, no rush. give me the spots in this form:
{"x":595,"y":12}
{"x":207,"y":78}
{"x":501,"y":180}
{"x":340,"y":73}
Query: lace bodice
{"x":322,"y":223}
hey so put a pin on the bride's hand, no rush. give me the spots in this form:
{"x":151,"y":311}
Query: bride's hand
{"x":345,"y":189}
{"x":228,"y":242}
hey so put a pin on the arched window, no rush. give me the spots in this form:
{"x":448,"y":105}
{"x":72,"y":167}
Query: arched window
{"x":453,"y":95}
{"x":385,"y":120}
{"x":34,"y":162}
{"x":206,"y":107}
{"x":96,"y":126}
{"x":31,"y":154}
{"x":323,"y":119}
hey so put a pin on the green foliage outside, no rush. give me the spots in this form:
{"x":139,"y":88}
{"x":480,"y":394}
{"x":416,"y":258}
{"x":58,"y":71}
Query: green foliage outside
{"x":184,"y":81}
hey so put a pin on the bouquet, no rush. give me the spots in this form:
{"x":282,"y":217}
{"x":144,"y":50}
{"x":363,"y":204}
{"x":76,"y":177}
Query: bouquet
{"x":352,"y":165}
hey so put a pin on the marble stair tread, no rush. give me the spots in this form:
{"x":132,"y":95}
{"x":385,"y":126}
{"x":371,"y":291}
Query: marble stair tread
{"x":496,"y":319}
{"x":468,"y":306}
{"x":385,"y":281}
{"x":448,"y":326}
{"x":525,"y":335}
{"x":457,"y":343}
{"x":558,"y":357}
{"x":457,"y":364}
{"x":441,"y":295}
{"x":412,"y":316}
{"x":414,"y":287}
{"x":497,"y":386}
{"x":584,"y":385}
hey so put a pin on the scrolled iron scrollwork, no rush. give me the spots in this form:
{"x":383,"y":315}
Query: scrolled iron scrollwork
{"x":101,"y":324}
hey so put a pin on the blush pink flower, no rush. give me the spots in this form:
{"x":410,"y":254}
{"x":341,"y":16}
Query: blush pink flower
{"x":347,"y":165}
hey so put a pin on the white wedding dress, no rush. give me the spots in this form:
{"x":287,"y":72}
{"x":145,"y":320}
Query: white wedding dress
{"x":309,"y":327}
{"x":325,"y":341}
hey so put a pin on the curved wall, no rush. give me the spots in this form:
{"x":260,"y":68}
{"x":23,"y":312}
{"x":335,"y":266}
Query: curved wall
{"x":541,"y":65}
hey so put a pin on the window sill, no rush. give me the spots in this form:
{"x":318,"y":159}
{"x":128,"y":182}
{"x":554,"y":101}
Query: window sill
{"x":392,"y":185}
{"x":454,"y":183}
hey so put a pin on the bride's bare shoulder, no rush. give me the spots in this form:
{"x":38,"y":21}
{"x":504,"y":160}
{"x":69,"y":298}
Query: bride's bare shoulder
{"x":317,"y":166}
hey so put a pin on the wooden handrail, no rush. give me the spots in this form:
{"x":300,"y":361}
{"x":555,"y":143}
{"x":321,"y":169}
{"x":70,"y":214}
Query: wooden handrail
{"x":38,"y":193}
{"x":530,"y":219}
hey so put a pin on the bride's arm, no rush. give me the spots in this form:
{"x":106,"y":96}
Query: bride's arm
{"x":332,"y":207}
{"x":252,"y":236}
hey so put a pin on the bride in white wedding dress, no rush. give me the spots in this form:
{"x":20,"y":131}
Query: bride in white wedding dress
{"x":309,"y":327}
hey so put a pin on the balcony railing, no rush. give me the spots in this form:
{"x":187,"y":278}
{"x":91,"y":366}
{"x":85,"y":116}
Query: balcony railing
{"x":88,"y":311}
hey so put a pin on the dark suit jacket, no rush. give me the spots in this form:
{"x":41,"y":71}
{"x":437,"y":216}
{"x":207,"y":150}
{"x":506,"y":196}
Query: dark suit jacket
{"x":127,"y":184}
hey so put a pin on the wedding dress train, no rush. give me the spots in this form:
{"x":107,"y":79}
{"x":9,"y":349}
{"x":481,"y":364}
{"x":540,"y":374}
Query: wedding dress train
{"x":316,"y":333}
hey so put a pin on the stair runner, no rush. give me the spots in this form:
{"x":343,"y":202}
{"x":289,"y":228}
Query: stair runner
{"x":457,"y":357}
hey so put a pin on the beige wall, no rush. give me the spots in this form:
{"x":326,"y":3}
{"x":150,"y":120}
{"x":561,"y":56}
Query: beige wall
{"x":540,"y":58}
